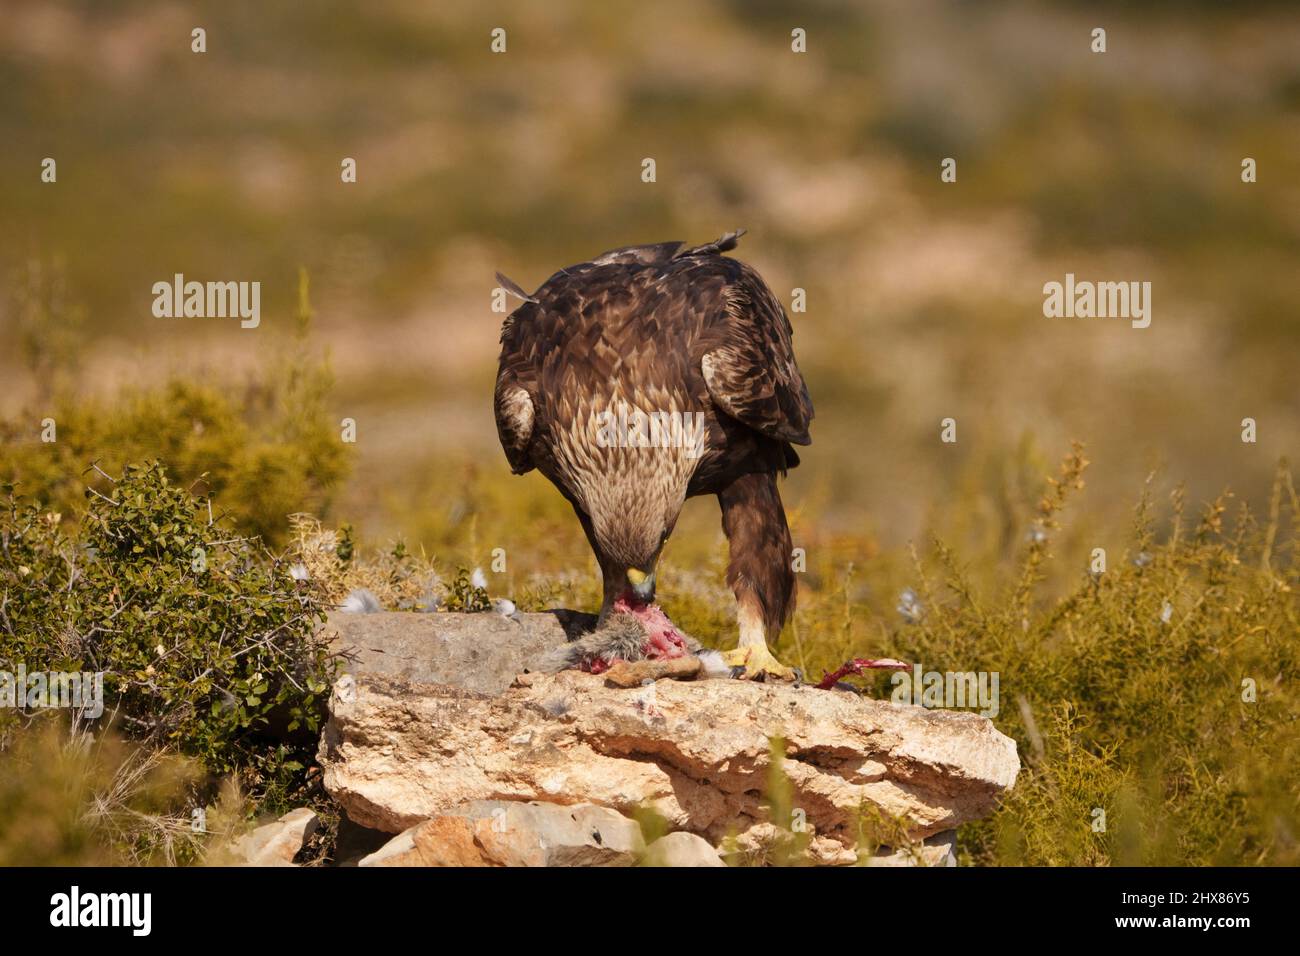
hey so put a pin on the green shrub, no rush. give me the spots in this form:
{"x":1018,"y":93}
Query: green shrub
{"x":465,"y":595}
{"x":207,"y":644}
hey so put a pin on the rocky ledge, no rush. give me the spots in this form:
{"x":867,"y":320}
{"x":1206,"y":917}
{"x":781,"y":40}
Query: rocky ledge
{"x":453,"y":762}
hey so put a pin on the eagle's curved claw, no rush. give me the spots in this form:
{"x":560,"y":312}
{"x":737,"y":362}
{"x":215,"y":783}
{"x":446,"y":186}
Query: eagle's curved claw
{"x":759,"y":664}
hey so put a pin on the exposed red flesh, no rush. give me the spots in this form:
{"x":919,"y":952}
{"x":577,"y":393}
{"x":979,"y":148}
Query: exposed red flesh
{"x":857,"y":666}
{"x":663,"y":640}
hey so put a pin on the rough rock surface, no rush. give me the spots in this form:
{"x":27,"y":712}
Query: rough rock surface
{"x":682,"y":849}
{"x":442,"y":841}
{"x":479,"y":652}
{"x":504,"y":833}
{"x":276,"y":844}
{"x":396,"y":753}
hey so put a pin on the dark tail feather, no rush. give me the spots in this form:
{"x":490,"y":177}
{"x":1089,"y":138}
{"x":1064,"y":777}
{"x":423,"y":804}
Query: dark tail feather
{"x":514,"y":289}
{"x":724,"y":244}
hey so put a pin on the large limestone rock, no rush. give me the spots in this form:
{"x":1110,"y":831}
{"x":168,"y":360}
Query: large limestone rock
{"x":479,"y":652}
{"x":396,"y":753}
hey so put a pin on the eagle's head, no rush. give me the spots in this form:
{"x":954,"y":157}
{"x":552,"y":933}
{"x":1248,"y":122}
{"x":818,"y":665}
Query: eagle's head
{"x":631,"y":523}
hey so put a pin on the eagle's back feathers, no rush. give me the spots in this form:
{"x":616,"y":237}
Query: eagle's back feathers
{"x":663,"y":329}
{"x":645,"y":255}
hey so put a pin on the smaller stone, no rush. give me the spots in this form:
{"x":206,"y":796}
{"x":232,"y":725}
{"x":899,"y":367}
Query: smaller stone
{"x":276,"y":844}
{"x":442,"y":841}
{"x":547,"y":834}
{"x":682,"y":849}
{"x":938,"y":850}
{"x":506,"y":833}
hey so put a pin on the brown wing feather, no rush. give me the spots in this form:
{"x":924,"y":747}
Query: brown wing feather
{"x":751,"y":373}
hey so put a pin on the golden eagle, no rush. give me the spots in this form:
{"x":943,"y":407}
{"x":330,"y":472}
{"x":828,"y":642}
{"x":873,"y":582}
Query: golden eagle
{"x":644,"y":377}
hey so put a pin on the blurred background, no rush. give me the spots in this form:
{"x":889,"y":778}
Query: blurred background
{"x":924,"y":298}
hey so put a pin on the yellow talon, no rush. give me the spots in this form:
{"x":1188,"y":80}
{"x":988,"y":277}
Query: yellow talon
{"x":759,"y":663}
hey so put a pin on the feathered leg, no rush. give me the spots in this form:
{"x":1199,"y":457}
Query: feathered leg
{"x":759,"y":573}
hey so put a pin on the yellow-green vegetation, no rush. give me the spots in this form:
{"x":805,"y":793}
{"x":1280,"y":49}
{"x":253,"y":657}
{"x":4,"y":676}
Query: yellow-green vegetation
{"x":781,"y":810}
{"x":1159,"y":692}
{"x":207,"y":646}
{"x":1153,"y":702}
{"x":331,"y":567}
{"x":399,"y":580}
{"x":262,"y":447}
{"x":79,"y":799}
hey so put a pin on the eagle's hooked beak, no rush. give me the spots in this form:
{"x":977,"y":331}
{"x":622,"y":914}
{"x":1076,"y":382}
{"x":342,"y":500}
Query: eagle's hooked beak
{"x":643,"y":585}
